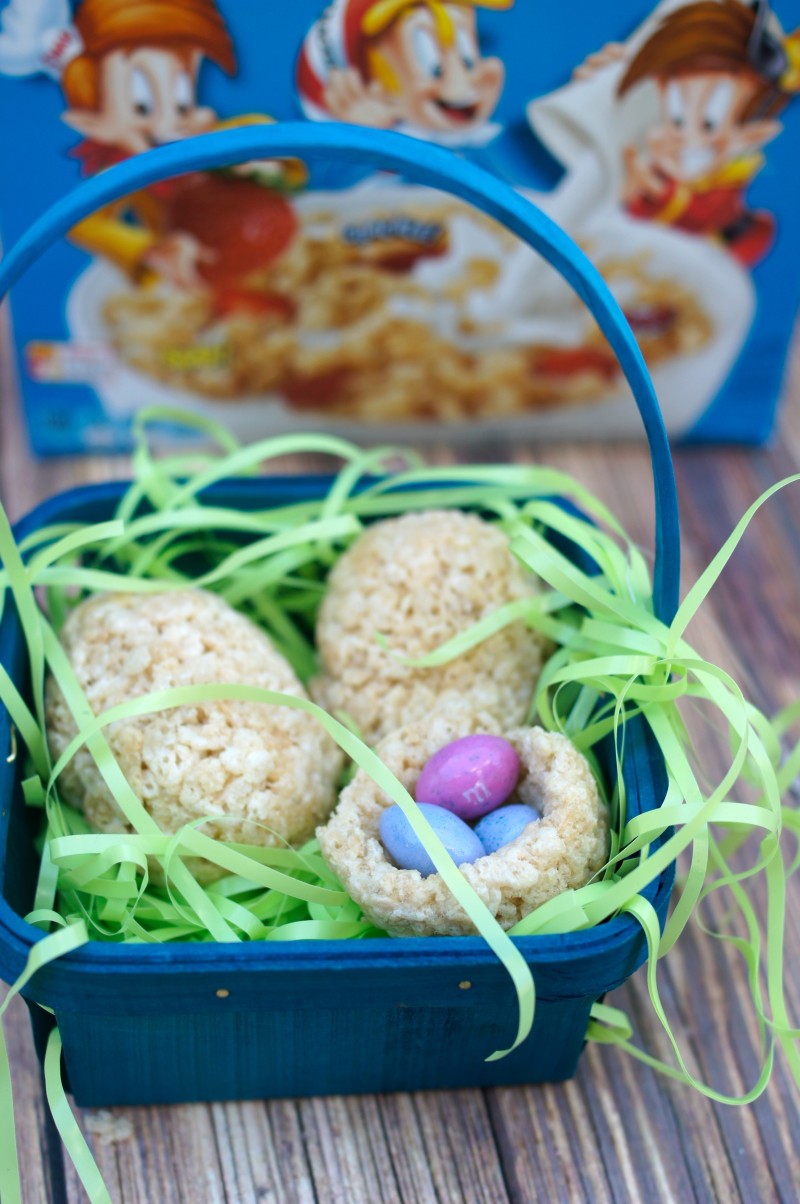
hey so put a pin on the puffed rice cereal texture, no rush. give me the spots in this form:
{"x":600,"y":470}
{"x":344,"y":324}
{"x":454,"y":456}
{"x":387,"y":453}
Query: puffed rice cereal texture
{"x":250,"y":764}
{"x":419,"y":580}
{"x":561,"y":850}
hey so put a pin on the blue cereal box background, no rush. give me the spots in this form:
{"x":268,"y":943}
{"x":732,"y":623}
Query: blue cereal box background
{"x":291,"y":295}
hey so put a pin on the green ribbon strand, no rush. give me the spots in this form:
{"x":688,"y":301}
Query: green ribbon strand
{"x":611,"y":661}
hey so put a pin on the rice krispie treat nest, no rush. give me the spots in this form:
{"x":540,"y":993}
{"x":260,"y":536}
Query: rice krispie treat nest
{"x":419,"y":580}
{"x":252,"y":763}
{"x":562,"y":850}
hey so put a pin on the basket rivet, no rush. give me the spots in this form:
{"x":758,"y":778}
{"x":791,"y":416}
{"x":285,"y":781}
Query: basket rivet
{"x":222,"y":993}
{"x":465,"y":985}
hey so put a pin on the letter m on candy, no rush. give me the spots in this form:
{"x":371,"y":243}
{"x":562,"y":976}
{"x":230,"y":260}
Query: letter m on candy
{"x":479,"y":793}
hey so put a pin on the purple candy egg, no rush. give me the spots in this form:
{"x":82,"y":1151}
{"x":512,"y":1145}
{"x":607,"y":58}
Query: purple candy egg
{"x":408,"y":852}
{"x":504,"y":825}
{"x":470,"y":777}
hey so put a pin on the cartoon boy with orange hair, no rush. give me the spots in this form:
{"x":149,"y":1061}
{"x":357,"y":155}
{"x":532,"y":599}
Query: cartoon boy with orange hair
{"x":129,"y":71}
{"x":724,"y":70}
{"x":413,"y":65}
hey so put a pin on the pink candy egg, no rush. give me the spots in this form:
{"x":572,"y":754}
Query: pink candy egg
{"x":470,"y":777}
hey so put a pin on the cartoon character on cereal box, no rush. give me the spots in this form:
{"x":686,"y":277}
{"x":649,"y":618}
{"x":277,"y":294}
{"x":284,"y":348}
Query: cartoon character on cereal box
{"x":723,"y":70}
{"x":412,"y":65}
{"x":129,"y":70}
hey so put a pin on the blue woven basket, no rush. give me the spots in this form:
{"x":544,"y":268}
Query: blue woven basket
{"x":146,"y":1024}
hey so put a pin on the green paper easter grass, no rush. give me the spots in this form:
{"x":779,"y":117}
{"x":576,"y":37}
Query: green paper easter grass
{"x":613,"y":659}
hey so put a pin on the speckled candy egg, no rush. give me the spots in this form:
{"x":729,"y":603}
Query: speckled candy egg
{"x":470,"y":777}
{"x":500,"y":827}
{"x":406,"y":850}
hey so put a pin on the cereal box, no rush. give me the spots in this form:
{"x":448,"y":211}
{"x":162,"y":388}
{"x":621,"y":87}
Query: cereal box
{"x":285,"y":295}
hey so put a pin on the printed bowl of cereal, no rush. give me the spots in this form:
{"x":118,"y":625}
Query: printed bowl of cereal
{"x":396,"y":308}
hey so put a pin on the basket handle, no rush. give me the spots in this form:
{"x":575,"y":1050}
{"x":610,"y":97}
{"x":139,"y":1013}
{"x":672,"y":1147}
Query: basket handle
{"x":428,"y":164}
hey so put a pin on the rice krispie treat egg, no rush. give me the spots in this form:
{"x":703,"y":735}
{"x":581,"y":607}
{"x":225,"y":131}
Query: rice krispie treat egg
{"x":562,"y":850}
{"x":420,"y":580}
{"x":251,"y":764}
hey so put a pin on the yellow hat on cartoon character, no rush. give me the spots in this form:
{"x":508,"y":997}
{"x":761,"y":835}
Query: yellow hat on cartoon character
{"x":775,"y":55}
{"x":380,"y":14}
{"x":790,"y":80}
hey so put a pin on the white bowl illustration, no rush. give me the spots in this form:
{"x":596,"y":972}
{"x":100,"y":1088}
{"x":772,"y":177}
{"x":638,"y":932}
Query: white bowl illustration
{"x":543,"y":309}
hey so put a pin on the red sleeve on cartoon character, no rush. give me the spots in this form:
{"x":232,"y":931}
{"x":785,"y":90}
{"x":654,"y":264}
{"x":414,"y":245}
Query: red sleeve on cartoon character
{"x":716,"y":212}
{"x":751,"y":239}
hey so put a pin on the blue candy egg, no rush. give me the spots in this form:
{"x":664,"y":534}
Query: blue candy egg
{"x":500,"y":827}
{"x":407,"y":852}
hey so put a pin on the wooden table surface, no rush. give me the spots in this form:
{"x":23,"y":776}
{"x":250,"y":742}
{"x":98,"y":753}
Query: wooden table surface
{"x":618,"y":1131}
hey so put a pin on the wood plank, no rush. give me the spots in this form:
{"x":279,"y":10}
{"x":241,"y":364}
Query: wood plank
{"x":29,"y":1104}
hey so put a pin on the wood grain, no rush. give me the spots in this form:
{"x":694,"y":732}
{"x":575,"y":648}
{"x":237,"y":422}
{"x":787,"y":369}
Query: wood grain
{"x":618,"y":1132}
